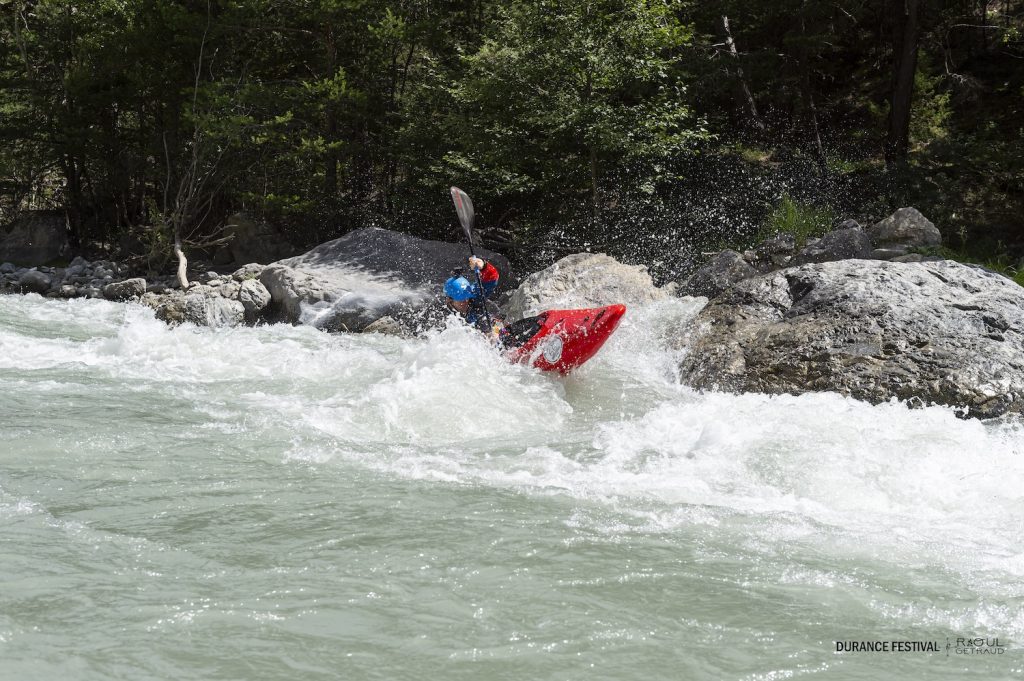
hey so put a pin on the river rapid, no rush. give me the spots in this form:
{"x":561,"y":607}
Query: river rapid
{"x":281,"y":503}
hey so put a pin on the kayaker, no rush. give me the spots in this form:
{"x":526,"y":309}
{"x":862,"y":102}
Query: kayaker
{"x":467,"y":298}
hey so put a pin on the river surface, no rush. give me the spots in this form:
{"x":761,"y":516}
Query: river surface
{"x":280,"y":503}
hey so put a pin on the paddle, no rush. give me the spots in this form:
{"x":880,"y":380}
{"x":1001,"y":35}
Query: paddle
{"x":464,"y":207}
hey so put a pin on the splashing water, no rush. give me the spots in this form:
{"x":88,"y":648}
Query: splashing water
{"x":276,"y":502}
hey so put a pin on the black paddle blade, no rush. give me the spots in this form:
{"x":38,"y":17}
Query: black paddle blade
{"x":464,"y":207}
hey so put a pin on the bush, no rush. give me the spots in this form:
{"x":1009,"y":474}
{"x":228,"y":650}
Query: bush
{"x":804,"y":221}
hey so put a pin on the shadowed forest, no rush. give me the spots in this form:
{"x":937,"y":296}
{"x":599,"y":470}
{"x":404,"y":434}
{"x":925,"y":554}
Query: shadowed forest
{"x":651,"y":129}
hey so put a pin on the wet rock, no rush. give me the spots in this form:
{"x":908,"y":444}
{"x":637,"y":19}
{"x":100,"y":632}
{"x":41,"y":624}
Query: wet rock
{"x":34,"y":281}
{"x":840,"y":244}
{"x":172,"y":310}
{"x":68,"y":291}
{"x":935,"y":332}
{"x":582,"y":280}
{"x":253,"y":295}
{"x":8,"y":268}
{"x":212,"y":310}
{"x":772,"y":253}
{"x":365,"y":275}
{"x":719,"y":273}
{"x":387,"y":326}
{"x":125,"y":290}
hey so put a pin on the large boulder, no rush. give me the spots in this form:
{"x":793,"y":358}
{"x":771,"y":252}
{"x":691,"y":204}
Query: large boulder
{"x":903,"y":230}
{"x":350,"y":282}
{"x":125,"y":290}
{"x":34,"y":281}
{"x":253,"y":295}
{"x":840,"y":244}
{"x":929,"y":332}
{"x":582,"y":280}
{"x":206,"y":309}
{"x":719,"y":273}
{"x":34,"y":238}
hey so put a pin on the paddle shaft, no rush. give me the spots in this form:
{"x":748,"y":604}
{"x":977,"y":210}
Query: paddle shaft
{"x":464,"y":207}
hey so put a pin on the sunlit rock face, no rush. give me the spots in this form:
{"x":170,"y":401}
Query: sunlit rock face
{"x":582,"y":280}
{"x":934,"y":332}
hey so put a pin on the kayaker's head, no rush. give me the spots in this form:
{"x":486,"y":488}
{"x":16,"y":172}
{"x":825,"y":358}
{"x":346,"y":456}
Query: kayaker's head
{"x":458,"y":292}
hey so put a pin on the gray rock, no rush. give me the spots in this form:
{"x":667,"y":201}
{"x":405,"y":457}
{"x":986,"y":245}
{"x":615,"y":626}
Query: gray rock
{"x":719,"y":273}
{"x":34,"y":281}
{"x":365,"y":275}
{"x":937,"y":332}
{"x":79,"y":261}
{"x":229,"y":289}
{"x":780,"y":244}
{"x":8,"y":268}
{"x":290,"y":288}
{"x":68,"y":291}
{"x":91,"y":292}
{"x":387,"y":326}
{"x":125,"y":290}
{"x":250,"y":271}
{"x":35,"y":237}
{"x":840,"y":244}
{"x":582,"y":280}
{"x":152,"y":300}
{"x":890,"y":253}
{"x":903,"y":230}
{"x":172,"y":310}
{"x":773,"y":253}
{"x":253,"y":295}
{"x":212,"y":310}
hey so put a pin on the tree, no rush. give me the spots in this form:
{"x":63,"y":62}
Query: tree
{"x":906,"y":32}
{"x":561,"y":92}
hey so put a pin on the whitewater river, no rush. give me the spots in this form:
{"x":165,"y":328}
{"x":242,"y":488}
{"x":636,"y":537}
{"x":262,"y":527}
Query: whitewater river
{"x":279,"y":503}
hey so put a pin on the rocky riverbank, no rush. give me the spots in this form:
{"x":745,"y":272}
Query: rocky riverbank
{"x":865,"y":312}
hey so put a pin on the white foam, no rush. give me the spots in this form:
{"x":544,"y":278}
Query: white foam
{"x":849,"y":479}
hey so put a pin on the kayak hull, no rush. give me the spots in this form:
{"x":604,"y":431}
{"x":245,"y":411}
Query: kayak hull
{"x":565,"y":339}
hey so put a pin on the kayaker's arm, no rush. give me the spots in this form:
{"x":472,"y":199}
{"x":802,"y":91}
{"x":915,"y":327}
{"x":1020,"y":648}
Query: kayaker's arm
{"x":488,"y":275}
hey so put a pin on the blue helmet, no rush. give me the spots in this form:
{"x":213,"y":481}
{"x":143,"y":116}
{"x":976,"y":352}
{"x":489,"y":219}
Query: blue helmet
{"x":458,"y":288}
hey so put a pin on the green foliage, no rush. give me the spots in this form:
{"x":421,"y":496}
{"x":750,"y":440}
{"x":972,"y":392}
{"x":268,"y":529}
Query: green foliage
{"x":931,"y":113}
{"x":563,"y":93}
{"x":596,"y":118}
{"x":802,"y":220}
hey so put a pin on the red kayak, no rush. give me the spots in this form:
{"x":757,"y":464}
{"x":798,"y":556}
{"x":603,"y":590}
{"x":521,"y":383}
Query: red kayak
{"x":561,"y":340}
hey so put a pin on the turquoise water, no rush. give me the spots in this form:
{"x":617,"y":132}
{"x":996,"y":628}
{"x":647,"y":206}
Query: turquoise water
{"x":278,"y":503}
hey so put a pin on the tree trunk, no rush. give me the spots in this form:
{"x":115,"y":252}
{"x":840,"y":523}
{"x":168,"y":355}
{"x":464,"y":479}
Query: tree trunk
{"x":906,"y":31}
{"x":73,"y":201}
{"x":748,"y":99}
{"x":182,"y":261}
